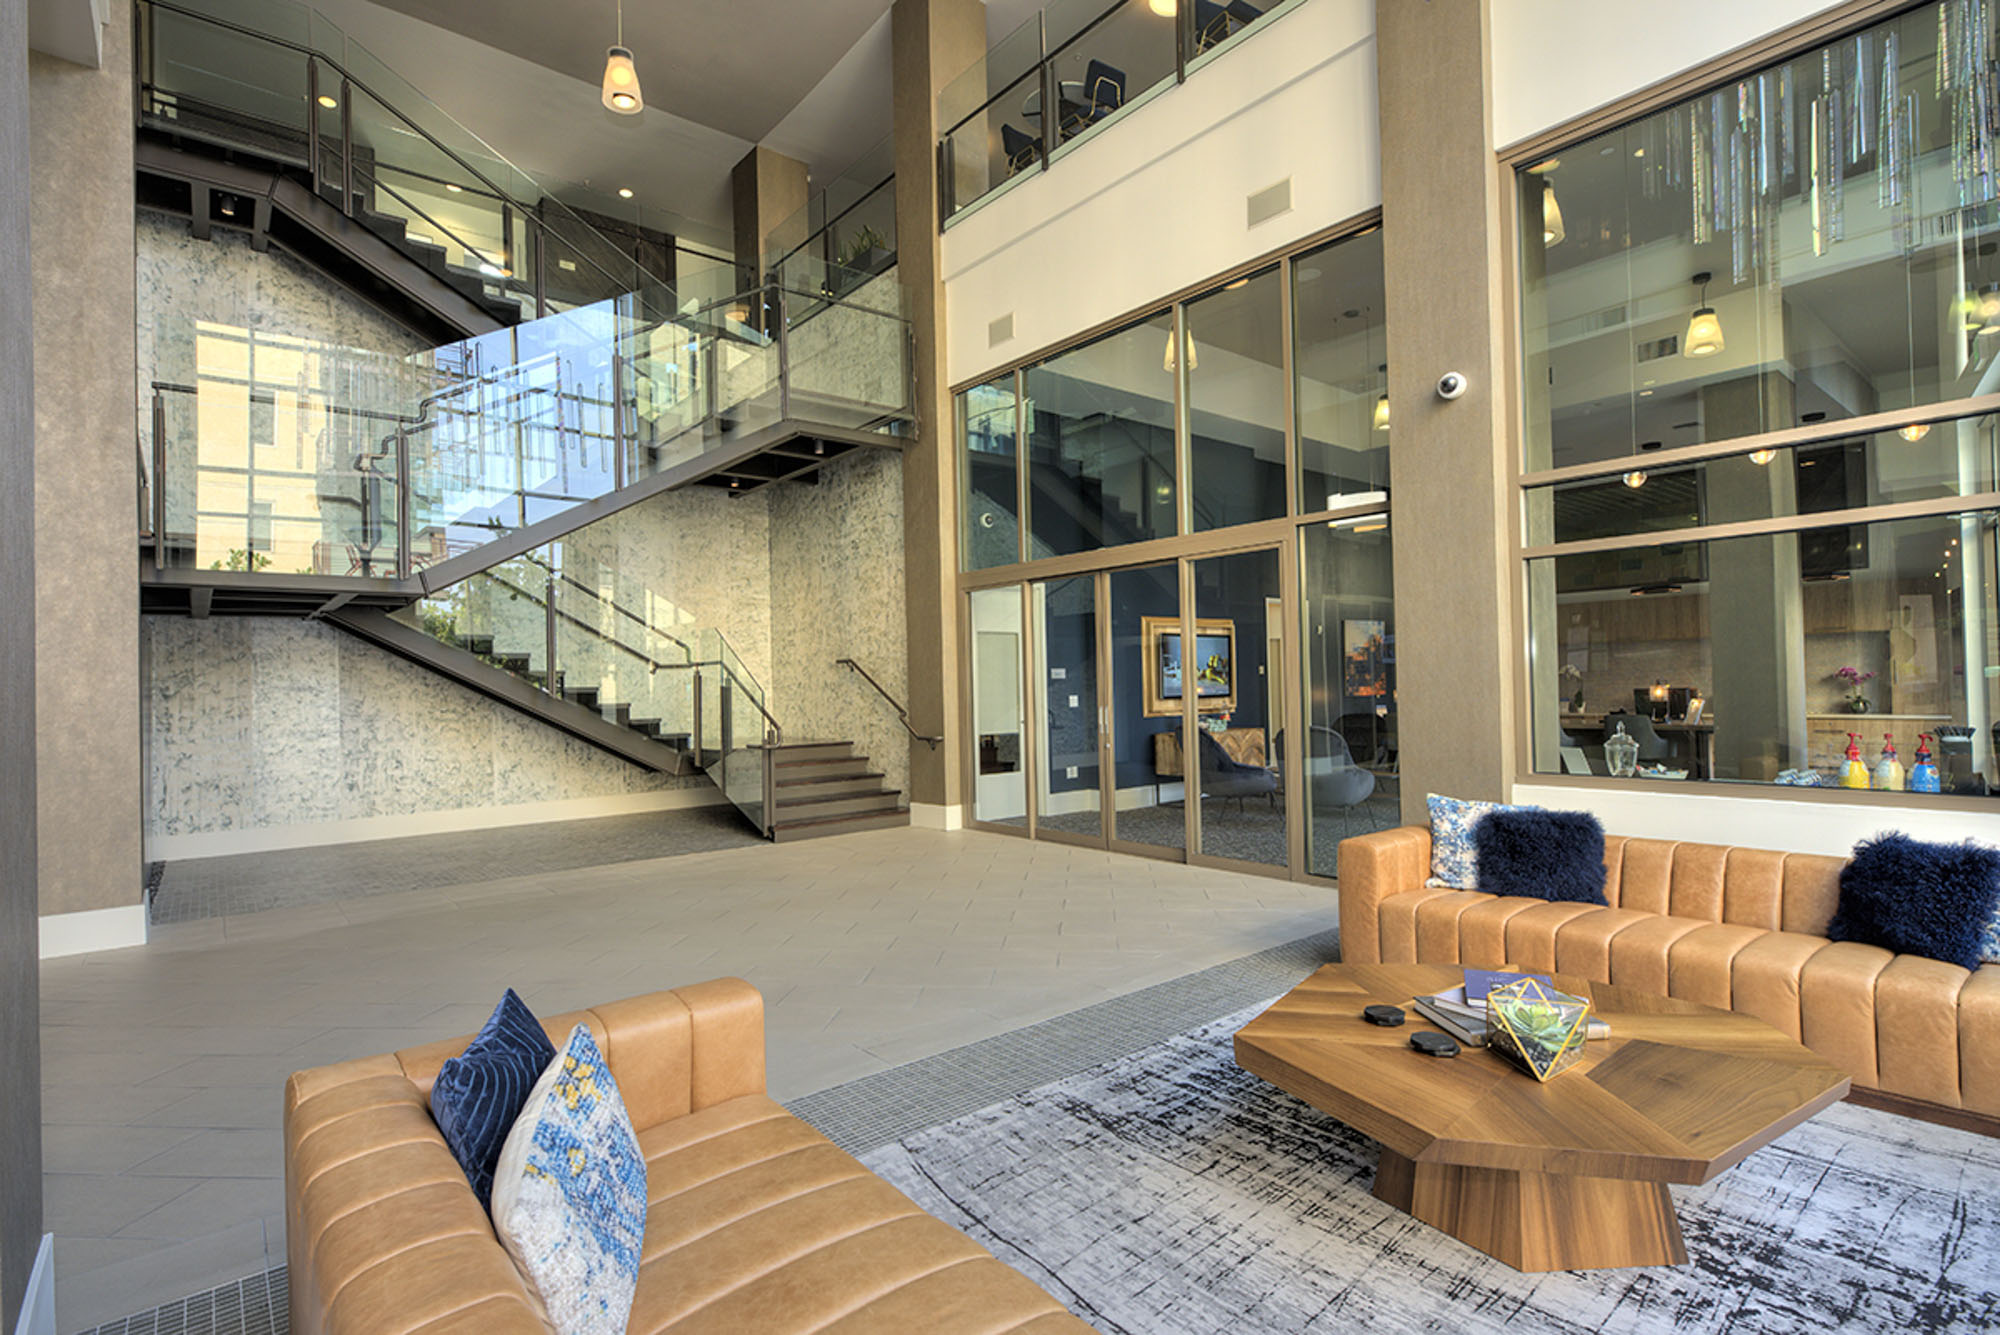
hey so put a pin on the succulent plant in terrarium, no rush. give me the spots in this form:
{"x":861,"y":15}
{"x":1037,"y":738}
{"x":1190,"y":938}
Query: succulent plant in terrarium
{"x":1536,"y":1027}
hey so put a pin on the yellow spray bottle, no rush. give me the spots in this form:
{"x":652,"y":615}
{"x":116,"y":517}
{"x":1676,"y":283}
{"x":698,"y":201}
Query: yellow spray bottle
{"x":1889,"y":770}
{"x":1854,"y":774}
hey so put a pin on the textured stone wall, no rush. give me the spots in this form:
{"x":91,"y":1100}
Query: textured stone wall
{"x":837,"y":592}
{"x":259,"y":722}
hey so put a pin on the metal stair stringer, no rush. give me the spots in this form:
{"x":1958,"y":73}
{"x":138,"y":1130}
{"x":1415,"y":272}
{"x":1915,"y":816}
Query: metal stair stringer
{"x":385,"y":632}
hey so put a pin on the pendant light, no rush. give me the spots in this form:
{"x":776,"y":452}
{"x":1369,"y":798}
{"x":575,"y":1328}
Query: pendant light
{"x":1762,"y":457}
{"x":1914,"y":432}
{"x":621,"y":77}
{"x":1552,"y":215}
{"x":1164,"y":8}
{"x":1636,"y":478}
{"x":1382,"y":405}
{"x":1704,"y":335}
{"x":1193,"y":358}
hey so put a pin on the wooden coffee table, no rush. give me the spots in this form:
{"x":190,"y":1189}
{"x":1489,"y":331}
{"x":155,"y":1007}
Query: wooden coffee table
{"x":1570,"y":1175}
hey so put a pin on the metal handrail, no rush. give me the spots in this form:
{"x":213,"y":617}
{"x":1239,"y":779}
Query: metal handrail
{"x":625,"y":612}
{"x":901,"y":713}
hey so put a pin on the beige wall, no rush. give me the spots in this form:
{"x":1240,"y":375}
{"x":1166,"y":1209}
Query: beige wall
{"x":1449,"y":471}
{"x":80,"y":125}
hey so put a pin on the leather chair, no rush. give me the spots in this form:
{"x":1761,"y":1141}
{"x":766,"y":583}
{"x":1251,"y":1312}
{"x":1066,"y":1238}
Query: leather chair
{"x":1222,"y":777}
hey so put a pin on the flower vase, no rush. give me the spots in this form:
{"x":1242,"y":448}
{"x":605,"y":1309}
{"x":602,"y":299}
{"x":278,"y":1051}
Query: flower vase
{"x":1858,"y":705}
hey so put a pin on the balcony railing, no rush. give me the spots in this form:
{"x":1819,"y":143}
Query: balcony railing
{"x":282,"y":455}
{"x":1087,"y":59}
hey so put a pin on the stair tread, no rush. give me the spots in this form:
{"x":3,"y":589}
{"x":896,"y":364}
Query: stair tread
{"x":853,"y":818}
{"x":785,"y":803}
{"x":817,"y":779}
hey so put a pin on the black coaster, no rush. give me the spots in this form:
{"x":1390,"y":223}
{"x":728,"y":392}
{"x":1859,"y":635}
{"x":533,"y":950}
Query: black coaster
{"x":1386,"y":1016}
{"x":1433,"y":1044}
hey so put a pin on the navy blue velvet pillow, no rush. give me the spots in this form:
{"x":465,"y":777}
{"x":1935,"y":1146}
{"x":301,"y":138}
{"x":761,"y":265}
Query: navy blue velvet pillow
{"x":1918,"y":898}
{"x":481,"y":1091}
{"x":1556,"y":855}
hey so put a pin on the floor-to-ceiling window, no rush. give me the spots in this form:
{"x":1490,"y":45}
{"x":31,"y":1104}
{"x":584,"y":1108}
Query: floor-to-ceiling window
{"x":1758,"y":327}
{"x":1194,"y":532}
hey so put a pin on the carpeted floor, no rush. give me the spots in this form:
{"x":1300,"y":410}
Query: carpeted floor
{"x":1169,"y":1192}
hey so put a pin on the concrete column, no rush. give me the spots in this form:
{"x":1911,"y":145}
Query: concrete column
{"x":20,"y":979}
{"x":934,"y":42}
{"x":86,"y":493}
{"x":1450,"y":474}
{"x":767,"y":188}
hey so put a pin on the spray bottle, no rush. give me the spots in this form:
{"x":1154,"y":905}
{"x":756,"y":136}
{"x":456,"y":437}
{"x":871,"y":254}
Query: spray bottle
{"x":1923,"y":773}
{"x":1889,"y":770}
{"x":1854,"y":774}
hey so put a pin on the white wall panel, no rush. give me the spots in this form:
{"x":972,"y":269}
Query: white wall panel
{"x":1157,"y":201}
{"x":1554,"y":60}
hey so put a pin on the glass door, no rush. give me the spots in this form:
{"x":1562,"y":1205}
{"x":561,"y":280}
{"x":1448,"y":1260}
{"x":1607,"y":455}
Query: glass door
{"x":999,"y":709}
{"x":1148,"y":775}
{"x":1237,"y":671}
{"x":1068,"y":725}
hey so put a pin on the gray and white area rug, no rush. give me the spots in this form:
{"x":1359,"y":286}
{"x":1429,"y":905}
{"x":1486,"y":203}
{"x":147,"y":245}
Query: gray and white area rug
{"x":1171,"y":1193}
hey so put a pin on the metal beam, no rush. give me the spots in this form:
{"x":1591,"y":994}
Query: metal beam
{"x":385,"y":632}
{"x":199,"y":600}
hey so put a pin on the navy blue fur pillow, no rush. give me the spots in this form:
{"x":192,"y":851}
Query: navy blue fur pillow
{"x":1918,"y":898}
{"x":1556,"y":855}
{"x":481,"y":1091}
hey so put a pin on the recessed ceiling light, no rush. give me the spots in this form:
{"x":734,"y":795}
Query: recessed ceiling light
{"x":1638,"y":152}
{"x":1546,"y":165}
{"x":624,"y":192}
{"x":455,"y":189}
{"x":1238,"y":283}
{"x":327,"y":100}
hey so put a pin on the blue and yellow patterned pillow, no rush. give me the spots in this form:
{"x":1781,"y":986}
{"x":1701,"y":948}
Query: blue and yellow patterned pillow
{"x":1989,"y":949}
{"x":1454,"y":855}
{"x":569,"y":1194}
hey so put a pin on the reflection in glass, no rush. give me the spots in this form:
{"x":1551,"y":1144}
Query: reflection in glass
{"x":1907,"y":608}
{"x":1101,"y":444}
{"x":1104,"y":54}
{"x":1066,"y":623}
{"x":1239,"y":662}
{"x":1349,"y":618}
{"x":987,"y":425}
{"x":999,"y":707}
{"x":1341,"y":368}
{"x":1236,"y":403}
{"x":1809,"y":242}
{"x":1149,"y":779}
{"x":1955,"y":458}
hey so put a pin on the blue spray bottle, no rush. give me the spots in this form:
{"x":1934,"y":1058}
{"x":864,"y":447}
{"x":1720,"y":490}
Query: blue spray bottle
{"x":1923,"y":772}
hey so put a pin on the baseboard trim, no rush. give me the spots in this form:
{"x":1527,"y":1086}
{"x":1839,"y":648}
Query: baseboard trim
{"x":92,"y":930}
{"x":38,"y":1304}
{"x":1926,"y":1111}
{"x":273,"y":838}
{"x":937,"y":816}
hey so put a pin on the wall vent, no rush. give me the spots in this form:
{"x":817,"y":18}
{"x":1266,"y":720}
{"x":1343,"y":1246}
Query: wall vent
{"x":1000,"y":330}
{"x":1654,"y":349}
{"x":1269,"y":202}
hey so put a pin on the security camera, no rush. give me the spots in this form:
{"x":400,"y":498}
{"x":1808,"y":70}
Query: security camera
{"x":1451,"y":384}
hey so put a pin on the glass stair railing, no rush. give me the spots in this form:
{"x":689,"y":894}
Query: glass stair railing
{"x":277,"y":80}
{"x":284,"y":456}
{"x":579,"y":631}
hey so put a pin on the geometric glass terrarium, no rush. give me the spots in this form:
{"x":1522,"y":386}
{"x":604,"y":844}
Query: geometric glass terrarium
{"x":1536,"y":1027}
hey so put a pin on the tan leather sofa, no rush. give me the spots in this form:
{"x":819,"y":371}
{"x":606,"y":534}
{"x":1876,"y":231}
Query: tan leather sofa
{"x":1741,"y":928}
{"x":756,"y":1221}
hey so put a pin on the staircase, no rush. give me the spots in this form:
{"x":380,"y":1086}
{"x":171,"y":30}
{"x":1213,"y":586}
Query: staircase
{"x":557,"y":636}
{"x":248,"y":129}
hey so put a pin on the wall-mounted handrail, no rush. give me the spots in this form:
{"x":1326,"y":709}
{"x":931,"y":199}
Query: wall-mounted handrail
{"x":901,"y":713}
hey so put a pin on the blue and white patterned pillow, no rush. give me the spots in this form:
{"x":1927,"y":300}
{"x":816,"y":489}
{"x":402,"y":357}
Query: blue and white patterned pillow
{"x":1454,"y":855}
{"x":1989,"y":950}
{"x":569,"y":1194}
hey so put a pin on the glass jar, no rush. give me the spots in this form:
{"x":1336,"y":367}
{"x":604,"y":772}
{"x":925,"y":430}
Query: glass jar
{"x":1621,"y":753}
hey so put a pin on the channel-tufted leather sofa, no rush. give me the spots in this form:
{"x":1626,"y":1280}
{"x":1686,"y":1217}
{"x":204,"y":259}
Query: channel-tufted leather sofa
{"x":756,"y":1221}
{"x":1739,"y":928}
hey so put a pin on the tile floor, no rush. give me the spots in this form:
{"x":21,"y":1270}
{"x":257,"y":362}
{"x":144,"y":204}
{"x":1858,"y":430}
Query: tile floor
{"x":164,"y":1066}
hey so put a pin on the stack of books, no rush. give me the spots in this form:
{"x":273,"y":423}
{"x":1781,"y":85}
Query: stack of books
{"x":1461,"y":1011}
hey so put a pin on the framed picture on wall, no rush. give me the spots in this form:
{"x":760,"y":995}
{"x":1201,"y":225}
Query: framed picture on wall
{"x":1212,"y":667}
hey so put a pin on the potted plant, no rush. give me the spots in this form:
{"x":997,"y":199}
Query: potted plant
{"x":1852,"y":678}
{"x":1570,"y":672}
{"x":864,"y":255}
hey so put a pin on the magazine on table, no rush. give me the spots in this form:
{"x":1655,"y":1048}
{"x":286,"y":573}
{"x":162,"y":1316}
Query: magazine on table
{"x":1461,"y":1011}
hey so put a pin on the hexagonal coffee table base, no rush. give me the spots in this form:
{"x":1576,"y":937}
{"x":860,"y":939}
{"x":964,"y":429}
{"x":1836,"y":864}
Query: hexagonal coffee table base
{"x":1538,"y":1221}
